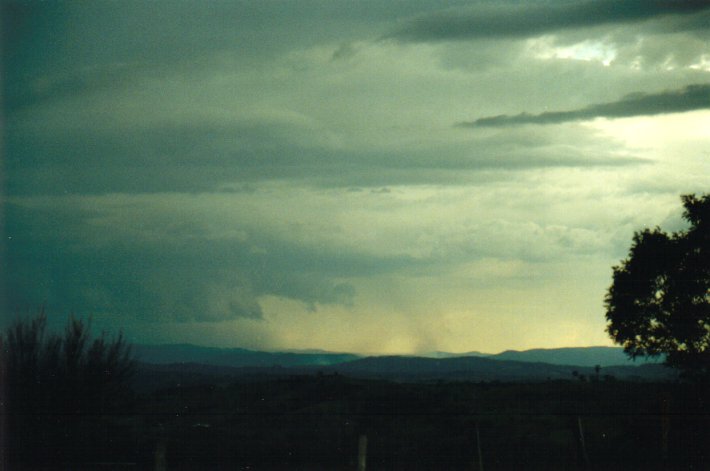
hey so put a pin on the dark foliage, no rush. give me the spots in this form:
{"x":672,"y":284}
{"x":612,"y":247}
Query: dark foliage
{"x":659,"y":302}
{"x":60,"y":387}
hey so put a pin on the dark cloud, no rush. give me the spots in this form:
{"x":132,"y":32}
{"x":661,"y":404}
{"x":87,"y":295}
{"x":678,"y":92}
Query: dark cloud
{"x":69,"y":47}
{"x":527,"y":19}
{"x":126,"y":262}
{"x":69,"y":83}
{"x":690,"y":98}
{"x":204,"y":158}
{"x":52,"y":263}
{"x":154,"y":158}
{"x":112,"y":109}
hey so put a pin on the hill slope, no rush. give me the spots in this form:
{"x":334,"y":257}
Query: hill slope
{"x":234,"y":357}
{"x":486,"y":369}
{"x":580,"y":356}
{"x":183,"y":361}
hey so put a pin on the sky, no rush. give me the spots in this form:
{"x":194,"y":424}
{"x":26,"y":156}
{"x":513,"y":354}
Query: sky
{"x":361,"y":176}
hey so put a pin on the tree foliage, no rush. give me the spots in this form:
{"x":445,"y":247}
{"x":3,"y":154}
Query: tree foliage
{"x":659,"y":301}
{"x":59,"y":386}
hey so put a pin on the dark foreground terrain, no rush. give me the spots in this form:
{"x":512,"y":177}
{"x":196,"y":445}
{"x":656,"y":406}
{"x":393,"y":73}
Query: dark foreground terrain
{"x":315,"y":421}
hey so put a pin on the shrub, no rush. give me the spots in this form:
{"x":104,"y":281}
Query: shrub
{"x":60,"y":387}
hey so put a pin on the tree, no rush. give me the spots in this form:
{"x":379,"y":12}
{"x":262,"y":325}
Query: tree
{"x":59,"y":387}
{"x":659,"y":301}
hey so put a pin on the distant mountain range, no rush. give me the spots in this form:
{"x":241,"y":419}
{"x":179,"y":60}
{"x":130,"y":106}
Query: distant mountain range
{"x":239,"y":357}
{"x":194,"y":361}
{"x":580,"y":356}
{"x":236,"y":357}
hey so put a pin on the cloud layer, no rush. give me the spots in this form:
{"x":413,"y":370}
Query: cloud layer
{"x":690,"y":98}
{"x":490,"y":20}
{"x":276,"y":175}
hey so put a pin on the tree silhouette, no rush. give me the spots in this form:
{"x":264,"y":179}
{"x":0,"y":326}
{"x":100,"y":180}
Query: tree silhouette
{"x":659,"y":301}
{"x":59,"y":388}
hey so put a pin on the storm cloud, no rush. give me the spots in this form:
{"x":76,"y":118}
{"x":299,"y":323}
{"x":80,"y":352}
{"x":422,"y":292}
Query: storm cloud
{"x":141,"y":258}
{"x":275,"y":175}
{"x":690,"y":98}
{"x":486,"y":20}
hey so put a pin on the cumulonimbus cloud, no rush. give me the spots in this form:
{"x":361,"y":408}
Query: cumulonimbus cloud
{"x":690,"y":98}
{"x":521,"y":20}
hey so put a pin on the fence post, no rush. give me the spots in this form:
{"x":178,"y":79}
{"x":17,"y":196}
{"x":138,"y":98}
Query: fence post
{"x":362,"y":453}
{"x":585,"y":457}
{"x":160,"y":461}
{"x":665,"y":424}
{"x":478,"y":448}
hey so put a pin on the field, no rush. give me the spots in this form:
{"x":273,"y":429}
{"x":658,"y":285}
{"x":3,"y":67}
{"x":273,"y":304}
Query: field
{"x":317,"y":421}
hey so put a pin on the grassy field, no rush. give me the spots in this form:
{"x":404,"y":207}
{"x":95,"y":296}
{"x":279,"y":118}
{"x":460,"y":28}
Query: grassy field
{"x":316,"y":421}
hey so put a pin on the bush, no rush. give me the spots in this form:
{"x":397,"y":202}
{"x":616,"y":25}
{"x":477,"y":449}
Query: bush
{"x":60,"y":388}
